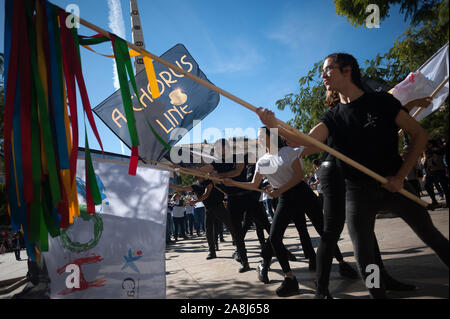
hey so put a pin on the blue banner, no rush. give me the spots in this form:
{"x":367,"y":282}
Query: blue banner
{"x":171,"y":115}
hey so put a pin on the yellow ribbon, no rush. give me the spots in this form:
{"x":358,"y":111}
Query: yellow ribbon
{"x":148,"y":63}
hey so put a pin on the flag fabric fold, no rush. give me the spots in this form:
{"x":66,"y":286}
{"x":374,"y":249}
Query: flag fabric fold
{"x":424,"y":81}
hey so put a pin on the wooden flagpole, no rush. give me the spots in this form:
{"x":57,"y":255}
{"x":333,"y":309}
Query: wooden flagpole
{"x":195,"y":172}
{"x":249,"y":106}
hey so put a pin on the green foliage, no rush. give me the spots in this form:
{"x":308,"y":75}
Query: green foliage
{"x":436,"y":124}
{"x":186,"y":180}
{"x":307,"y":105}
{"x":355,"y":10}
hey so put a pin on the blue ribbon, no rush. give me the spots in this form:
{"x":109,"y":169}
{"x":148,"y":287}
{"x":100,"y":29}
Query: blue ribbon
{"x":56,"y":93}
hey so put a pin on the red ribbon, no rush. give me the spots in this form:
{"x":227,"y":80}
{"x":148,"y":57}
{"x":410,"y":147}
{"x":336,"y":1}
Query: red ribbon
{"x":133,"y":160}
{"x":17,"y":20}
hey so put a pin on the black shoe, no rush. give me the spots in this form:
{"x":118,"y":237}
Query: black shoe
{"x":321,"y":295}
{"x":245,"y":267}
{"x":312,"y":264}
{"x":395,"y":285}
{"x":288,"y":287}
{"x":262,"y":273}
{"x":222,"y":240}
{"x":236,"y":256}
{"x":346,"y":271}
{"x":211,"y":256}
{"x":291,"y":256}
{"x":217,"y":246}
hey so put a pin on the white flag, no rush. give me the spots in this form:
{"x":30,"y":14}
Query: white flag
{"x":118,"y":252}
{"x":424,"y":81}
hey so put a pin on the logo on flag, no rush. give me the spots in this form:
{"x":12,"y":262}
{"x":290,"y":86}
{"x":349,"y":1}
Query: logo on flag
{"x":170,"y":116}
{"x":131,"y":258}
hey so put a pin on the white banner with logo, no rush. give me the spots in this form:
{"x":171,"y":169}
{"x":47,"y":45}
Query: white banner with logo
{"x":424,"y":81}
{"x":119,"y":251}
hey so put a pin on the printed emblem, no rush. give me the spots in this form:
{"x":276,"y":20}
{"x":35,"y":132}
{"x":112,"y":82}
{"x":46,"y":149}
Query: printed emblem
{"x":371,"y":121}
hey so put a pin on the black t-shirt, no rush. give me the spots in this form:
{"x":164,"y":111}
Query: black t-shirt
{"x":226,"y":167}
{"x":365,"y":131}
{"x":215,"y":196}
{"x":327,"y":156}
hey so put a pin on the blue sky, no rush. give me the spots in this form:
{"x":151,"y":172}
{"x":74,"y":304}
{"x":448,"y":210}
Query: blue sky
{"x":256,"y":50}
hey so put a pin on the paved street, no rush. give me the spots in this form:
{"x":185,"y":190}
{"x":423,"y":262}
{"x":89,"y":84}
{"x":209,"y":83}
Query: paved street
{"x":190,"y":275}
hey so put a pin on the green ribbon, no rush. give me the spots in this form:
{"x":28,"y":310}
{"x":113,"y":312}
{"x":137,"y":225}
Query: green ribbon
{"x":43,"y":112}
{"x":52,"y":228}
{"x":123,"y":63}
{"x":91,"y":40}
{"x":44,"y":234}
{"x":35,"y":207}
{"x":159,"y":138}
{"x":90,"y":173}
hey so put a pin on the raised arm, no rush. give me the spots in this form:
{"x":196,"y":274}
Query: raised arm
{"x":233,"y":173}
{"x":256,"y":181}
{"x":422,"y":102}
{"x":180,"y":188}
{"x":319,"y":132}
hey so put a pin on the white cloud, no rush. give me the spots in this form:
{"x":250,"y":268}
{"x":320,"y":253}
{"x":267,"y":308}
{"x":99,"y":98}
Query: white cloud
{"x":303,"y":30}
{"x":117,"y":26}
{"x":240,"y":55}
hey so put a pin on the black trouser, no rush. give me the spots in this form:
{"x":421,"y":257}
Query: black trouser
{"x":305,"y":239}
{"x":179,"y":227}
{"x":17,"y":253}
{"x":259,"y":217}
{"x":366,"y":198}
{"x":333,"y":188}
{"x":189,"y":223}
{"x":288,"y":209}
{"x":216,"y":212}
{"x":238,"y":205}
{"x":416,"y":186}
{"x":441,"y":179}
{"x":218,"y":229}
{"x":248,"y":222}
{"x":300,"y":224}
{"x":261,"y":222}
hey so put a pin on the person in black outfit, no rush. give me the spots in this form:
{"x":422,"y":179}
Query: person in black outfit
{"x":212,"y":198}
{"x":247,"y":224}
{"x":239,"y":200}
{"x":364,"y":126}
{"x":16,"y":245}
{"x":333,"y":188}
{"x":435,"y":170}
